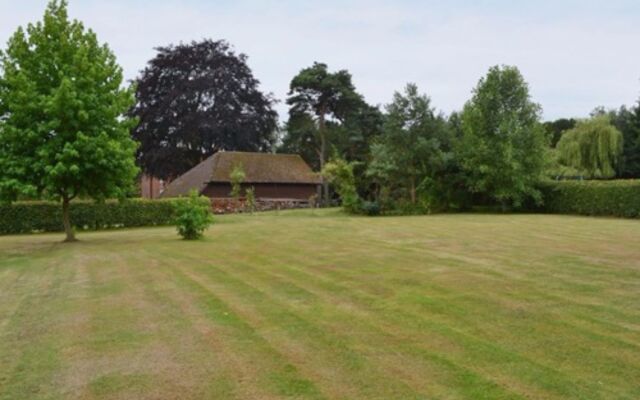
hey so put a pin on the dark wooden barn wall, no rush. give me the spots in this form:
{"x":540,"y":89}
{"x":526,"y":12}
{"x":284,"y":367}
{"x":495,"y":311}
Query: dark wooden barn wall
{"x":265,"y":190}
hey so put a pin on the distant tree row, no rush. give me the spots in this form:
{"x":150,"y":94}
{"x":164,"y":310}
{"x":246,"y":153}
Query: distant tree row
{"x":198,"y":98}
{"x":70,"y":128}
{"x":493,"y":151}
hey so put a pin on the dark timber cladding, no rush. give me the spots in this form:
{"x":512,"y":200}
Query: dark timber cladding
{"x":274,"y":176}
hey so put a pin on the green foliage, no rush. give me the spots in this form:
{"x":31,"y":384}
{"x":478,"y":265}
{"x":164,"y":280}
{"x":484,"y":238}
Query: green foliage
{"x":237,"y":176}
{"x":371,"y":208}
{"x":591,"y":150}
{"x":340,"y":173}
{"x":193,"y":216}
{"x":321,"y":102}
{"x":45,"y":216}
{"x":619,"y":198}
{"x":627,"y":120}
{"x":502,"y":151}
{"x":62,"y":133}
{"x":313,"y":201}
{"x":555,"y":129}
{"x":411,"y":160}
{"x":250,"y":199}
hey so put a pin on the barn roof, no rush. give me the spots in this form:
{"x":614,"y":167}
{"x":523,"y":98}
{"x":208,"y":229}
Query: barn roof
{"x":258,"y":168}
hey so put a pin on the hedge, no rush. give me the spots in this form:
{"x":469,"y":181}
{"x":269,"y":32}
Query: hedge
{"x":41,"y":216}
{"x":617,"y":198}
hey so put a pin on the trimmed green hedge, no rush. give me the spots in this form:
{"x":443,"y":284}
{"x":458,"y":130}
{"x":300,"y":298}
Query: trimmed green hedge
{"x":618,"y":198}
{"x":41,"y":216}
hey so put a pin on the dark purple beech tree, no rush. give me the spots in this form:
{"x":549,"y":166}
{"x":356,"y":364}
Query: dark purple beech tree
{"x":195,"y":99}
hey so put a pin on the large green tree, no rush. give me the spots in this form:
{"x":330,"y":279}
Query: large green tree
{"x":413,"y":148}
{"x":319,"y":100}
{"x":62,"y":130}
{"x":503,"y":146}
{"x":590,"y":150}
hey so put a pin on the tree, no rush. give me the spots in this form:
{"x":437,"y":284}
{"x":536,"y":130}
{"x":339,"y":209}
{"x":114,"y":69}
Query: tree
{"x":414,"y":147}
{"x":250,"y":199}
{"x":236,"y":177}
{"x":502,"y":150}
{"x":340,"y":173}
{"x":195,"y":99}
{"x":627,"y":120}
{"x":301,"y":137}
{"x":350,"y":139}
{"x":318,"y":98}
{"x":555,"y":129}
{"x":592,"y":149}
{"x":62,"y":130}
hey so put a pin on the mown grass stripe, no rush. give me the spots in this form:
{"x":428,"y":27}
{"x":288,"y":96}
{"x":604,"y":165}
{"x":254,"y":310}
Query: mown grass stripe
{"x":30,"y":350}
{"x":283,"y":376}
{"x":466,"y":380}
{"x":507,"y":357}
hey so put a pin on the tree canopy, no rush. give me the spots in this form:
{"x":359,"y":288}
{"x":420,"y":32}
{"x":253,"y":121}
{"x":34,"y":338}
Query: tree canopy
{"x":413,"y":148}
{"x":320,"y":101}
{"x":503,"y":146}
{"x":555,"y":129}
{"x":195,"y":99}
{"x":592,"y":149}
{"x":62,"y":130}
{"x":627,"y":120}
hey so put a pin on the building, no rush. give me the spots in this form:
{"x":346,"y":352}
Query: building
{"x":274,"y":177}
{"x":150,"y":187}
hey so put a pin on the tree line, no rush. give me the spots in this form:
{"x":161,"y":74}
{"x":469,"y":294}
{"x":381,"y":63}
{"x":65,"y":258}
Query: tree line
{"x":71,"y":128}
{"x":198,"y":98}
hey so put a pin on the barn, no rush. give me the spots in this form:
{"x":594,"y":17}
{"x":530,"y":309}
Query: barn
{"x":274,"y":177}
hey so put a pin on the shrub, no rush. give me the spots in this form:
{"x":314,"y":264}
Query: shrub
{"x":371,"y":208}
{"x":236,"y":177}
{"x":619,"y":198}
{"x":193,"y":216}
{"x":44,"y":216}
{"x":250,"y":199}
{"x":340,"y":173}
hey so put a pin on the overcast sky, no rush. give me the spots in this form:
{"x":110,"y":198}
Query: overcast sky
{"x":575,"y":54}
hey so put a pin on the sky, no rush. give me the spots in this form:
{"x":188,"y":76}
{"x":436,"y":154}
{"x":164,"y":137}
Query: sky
{"x":576,"y":55}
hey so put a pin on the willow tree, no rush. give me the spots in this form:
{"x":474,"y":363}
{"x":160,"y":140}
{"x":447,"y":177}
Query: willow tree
{"x":592,"y":149}
{"x":63,"y":133}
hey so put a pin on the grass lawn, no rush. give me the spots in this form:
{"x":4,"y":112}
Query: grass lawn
{"x":324,"y":306}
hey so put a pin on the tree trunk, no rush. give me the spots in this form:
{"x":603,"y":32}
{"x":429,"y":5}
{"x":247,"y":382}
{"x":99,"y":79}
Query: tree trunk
{"x":412,"y":190}
{"x":66,"y":220}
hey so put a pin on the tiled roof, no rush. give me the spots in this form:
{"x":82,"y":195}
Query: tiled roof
{"x":258,"y":168}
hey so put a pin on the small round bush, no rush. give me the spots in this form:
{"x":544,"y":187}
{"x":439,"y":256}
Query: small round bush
{"x":193,"y":216}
